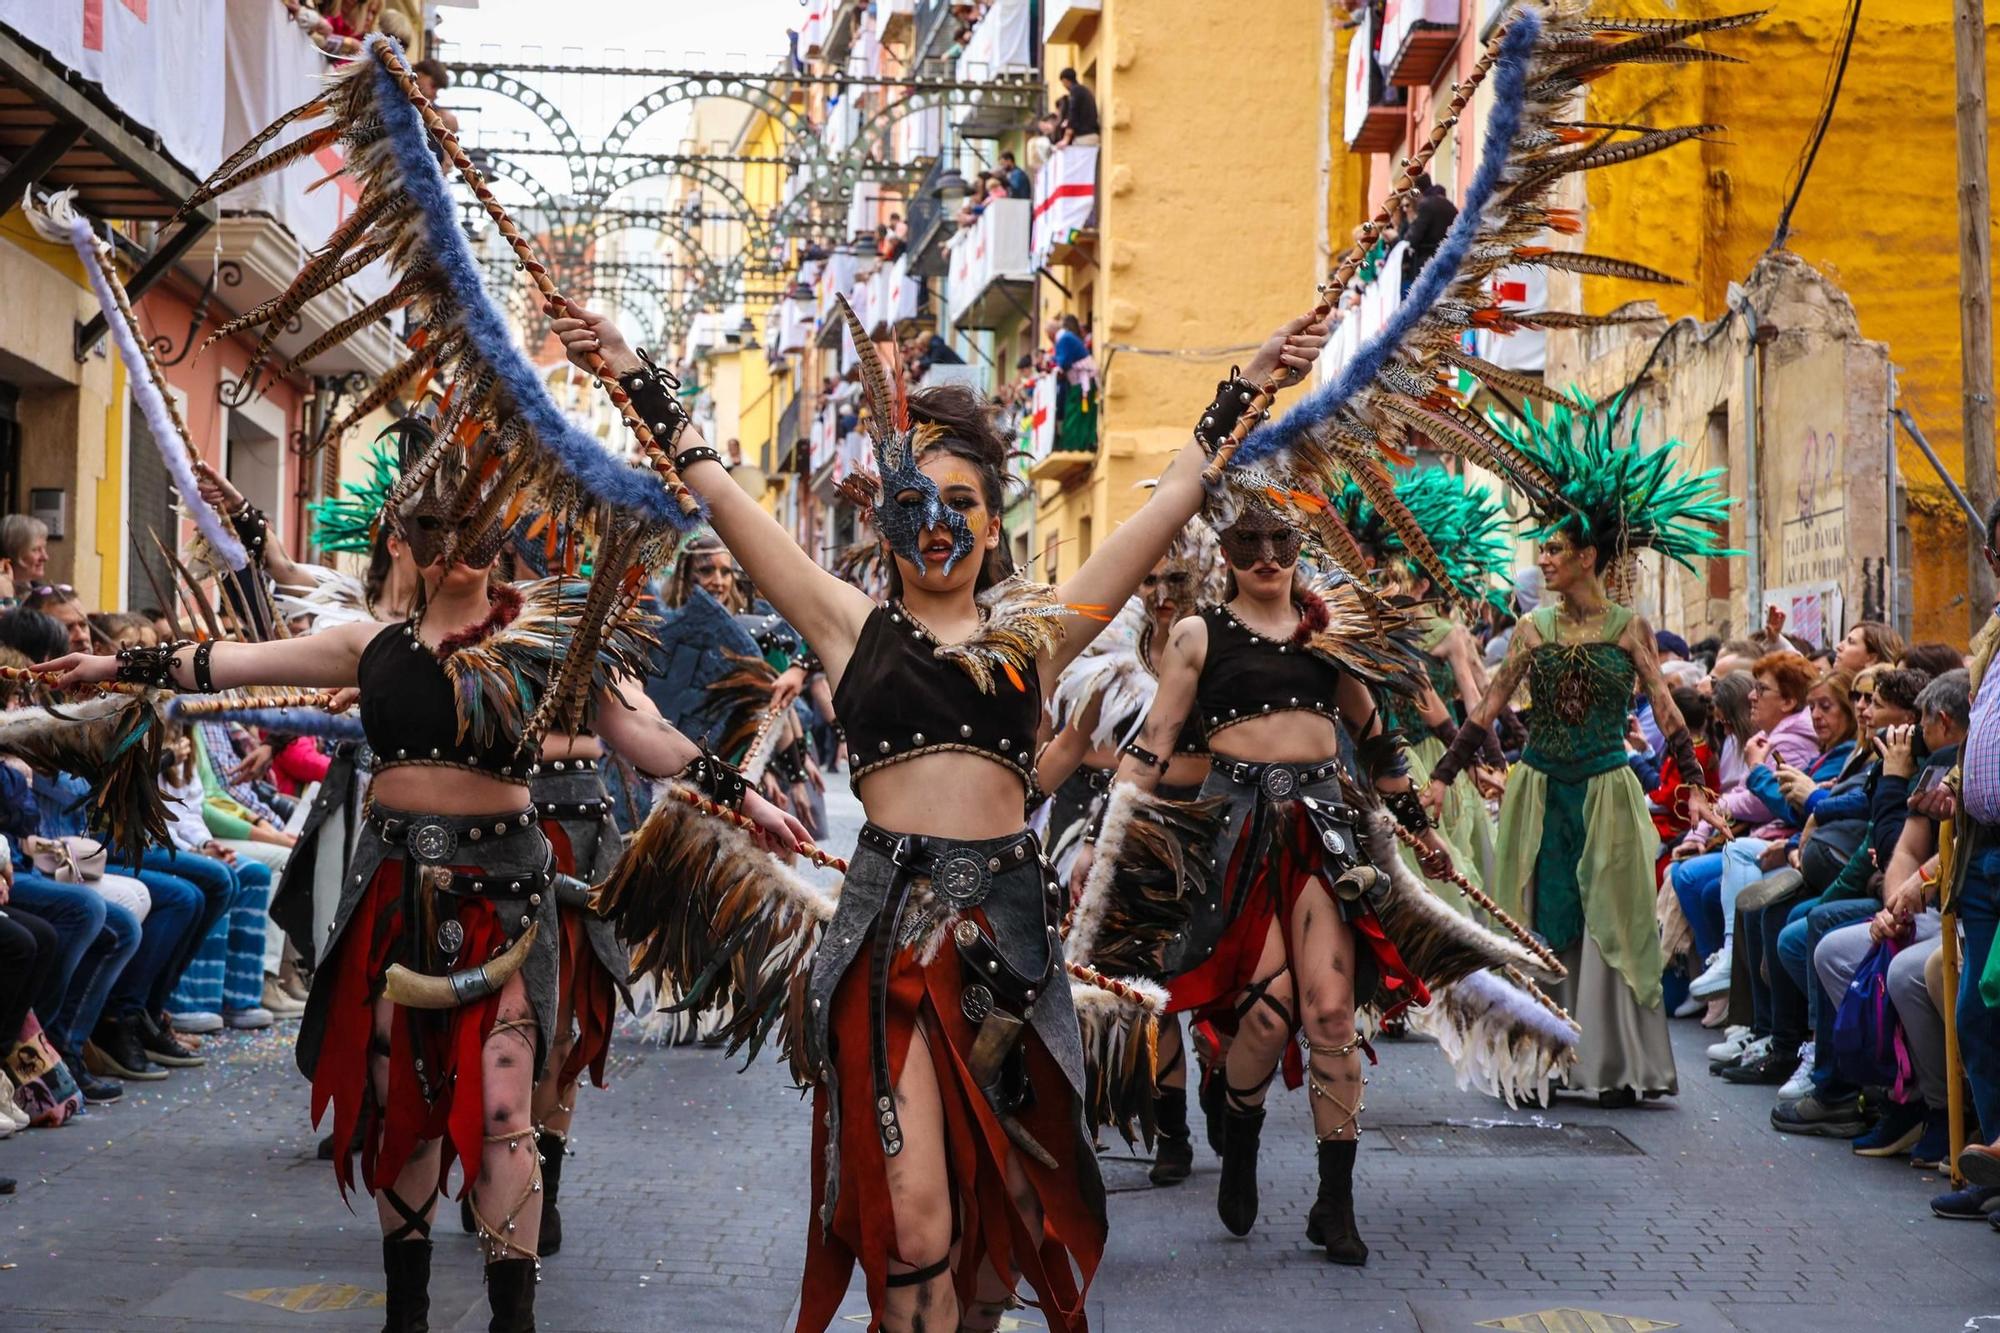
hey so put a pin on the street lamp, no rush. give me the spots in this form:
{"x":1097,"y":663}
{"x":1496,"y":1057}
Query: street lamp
{"x":951,"y":189}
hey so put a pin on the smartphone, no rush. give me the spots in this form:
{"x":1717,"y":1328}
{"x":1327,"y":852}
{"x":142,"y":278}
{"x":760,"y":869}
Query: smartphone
{"x":1932,"y":776}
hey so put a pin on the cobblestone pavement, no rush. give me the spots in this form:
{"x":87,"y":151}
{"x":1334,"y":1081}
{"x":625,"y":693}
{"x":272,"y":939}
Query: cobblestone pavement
{"x":197,"y":1204}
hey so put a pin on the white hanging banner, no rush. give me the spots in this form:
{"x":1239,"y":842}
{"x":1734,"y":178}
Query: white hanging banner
{"x":157,"y":60}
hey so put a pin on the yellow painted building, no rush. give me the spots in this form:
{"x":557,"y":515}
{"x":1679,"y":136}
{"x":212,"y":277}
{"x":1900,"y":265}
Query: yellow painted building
{"x":1207,"y":236}
{"x":747,"y":396}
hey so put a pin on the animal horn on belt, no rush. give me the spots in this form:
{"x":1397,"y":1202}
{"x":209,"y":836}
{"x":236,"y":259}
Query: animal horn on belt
{"x":415,"y":990}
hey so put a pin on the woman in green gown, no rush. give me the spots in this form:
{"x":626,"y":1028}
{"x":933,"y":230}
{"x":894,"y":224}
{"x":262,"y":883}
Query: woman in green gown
{"x":1576,"y":846}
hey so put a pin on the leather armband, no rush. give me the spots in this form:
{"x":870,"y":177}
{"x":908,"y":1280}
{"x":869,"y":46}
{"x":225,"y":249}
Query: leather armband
{"x":1490,"y":752}
{"x":721,"y":783}
{"x":252,"y":528}
{"x":655,"y":392}
{"x":1464,"y":750}
{"x":153,"y":666}
{"x":1218,"y":420}
{"x":1144,"y":756}
{"x":1093,"y":821}
{"x":1444,"y":732}
{"x":808,"y":662}
{"x":204,"y":681}
{"x":1408,"y":808}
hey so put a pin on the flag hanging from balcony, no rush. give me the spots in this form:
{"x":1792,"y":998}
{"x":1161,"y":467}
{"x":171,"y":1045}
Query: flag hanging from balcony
{"x":1065,"y":197}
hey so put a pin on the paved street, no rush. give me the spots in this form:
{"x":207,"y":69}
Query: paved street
{"x":197,"y":1204}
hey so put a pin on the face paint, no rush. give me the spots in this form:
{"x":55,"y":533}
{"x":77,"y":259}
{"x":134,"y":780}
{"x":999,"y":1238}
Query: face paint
{"x":1260,"y":536}
{"x":910,"y":505}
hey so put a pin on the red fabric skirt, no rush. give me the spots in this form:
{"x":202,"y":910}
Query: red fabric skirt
{"x":1291,"y":860}
{"x":1057,"y":1261}
{"x":448,"y":1040}
{"x":592,"y":992}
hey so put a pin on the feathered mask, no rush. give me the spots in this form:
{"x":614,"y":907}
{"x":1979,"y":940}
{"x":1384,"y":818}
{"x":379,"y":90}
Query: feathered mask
{"x":1612,"y":494}
{"x":1465,"y":526}
{"x":905,"y":502}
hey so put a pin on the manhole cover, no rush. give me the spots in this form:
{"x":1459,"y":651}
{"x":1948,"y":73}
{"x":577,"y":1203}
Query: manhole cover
{"x":1501,"y":1138}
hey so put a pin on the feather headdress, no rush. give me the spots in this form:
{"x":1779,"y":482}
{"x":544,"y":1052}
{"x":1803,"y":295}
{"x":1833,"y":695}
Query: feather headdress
{"x":1397,"y":388}
{"x":1610,"y":493}
{"x":903,"y":500}
{"x":1463,"y":527}
{"x":502,"y":445}
{"x":346,"y":522}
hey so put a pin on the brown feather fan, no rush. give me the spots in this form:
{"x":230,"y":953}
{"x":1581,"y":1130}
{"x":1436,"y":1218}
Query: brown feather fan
{"x":718,"y":925}
{"x":114,"y":743}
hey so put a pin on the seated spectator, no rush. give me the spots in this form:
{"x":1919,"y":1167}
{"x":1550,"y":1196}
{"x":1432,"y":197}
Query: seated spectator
{"x":1667,"y":800}
{"x":129,"y":1032}
{"x":60,"y":603}
{"x":1762,"y":869}
{"x":1909,"y":886}
{"x":1740,"y":825}
{"x":1695,"y":867}
{"x":225,"y":982}
{"x":24,"y":551}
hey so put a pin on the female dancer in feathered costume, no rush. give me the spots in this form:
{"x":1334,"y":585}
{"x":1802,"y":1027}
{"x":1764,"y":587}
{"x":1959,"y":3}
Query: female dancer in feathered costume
{"x":1468,"y":530}
{"x":950,"y":1158}
{"x":1576,"y":845}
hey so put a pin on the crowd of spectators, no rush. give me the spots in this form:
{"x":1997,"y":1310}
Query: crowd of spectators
{"x":117,"y":962}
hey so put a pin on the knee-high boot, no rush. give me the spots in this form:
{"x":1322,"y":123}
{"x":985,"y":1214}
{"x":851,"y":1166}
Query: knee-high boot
{"x":510,"y":1291}
{"x":1236,"y":1194}
{"x":407,"y":1266}
{"x":1331,"y":1222}
{"x":552,"y":1147}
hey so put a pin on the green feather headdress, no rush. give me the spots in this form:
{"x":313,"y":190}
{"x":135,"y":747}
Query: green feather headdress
{"x":346,"y":522}
{"x":1466,"y":525}
{"x":1614,"y":495}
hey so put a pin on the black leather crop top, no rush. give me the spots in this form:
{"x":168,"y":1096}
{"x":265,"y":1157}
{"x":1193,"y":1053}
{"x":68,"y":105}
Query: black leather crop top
{"x":409,"y":714}
{"x":1246,"y":675}
{"x":896,"y":700}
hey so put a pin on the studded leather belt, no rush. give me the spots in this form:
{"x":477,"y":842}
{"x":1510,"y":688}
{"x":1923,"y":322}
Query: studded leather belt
{"x":435,"y":839}
{"x":1280,"y":782}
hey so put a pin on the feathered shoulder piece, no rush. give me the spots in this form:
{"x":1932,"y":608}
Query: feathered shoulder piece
{"x":330,"y":596}
{"x":516,"y":670}
{"x":1613,"y":494}
{"x":1397,"y":392}
{"x":1346,"y":623}
{"x":1022,"y":620}
{"x":113,"y":742}
{"x":1111,"y":671}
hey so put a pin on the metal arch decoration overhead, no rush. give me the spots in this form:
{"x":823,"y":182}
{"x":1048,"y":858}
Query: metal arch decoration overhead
{"x":730,"y":87}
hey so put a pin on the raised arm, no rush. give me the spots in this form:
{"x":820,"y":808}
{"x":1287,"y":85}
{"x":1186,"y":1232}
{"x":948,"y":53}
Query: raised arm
{"x":1114,"y":570}
{"x":1146,"y":759}
{"x":218,"y":491}
{"x":329,"y":660}
{"x":826,"y":610}
{"x":632,"y":728}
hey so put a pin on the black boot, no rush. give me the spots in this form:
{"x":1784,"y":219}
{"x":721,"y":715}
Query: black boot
{"x":510,"y":1290}
{"x":1211,"y":1107}
{"x":465,"y":1220}
{"x":1236,"y":1195}
{"x":552,"y":1146}
{"x":407,"y":1264}
{"x":1173,"y":1152}
{"x":1331,"y":1222}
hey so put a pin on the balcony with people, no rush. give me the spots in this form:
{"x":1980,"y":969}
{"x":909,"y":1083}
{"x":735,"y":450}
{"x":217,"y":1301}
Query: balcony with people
{"x":999,"y":48}
{"x":991,"y":273}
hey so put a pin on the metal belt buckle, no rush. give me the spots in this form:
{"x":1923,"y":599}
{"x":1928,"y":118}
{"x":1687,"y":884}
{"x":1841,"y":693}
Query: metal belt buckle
{"x":961,"y":879}
{"x":1279,"y":782}
{"x":432,"y":841}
